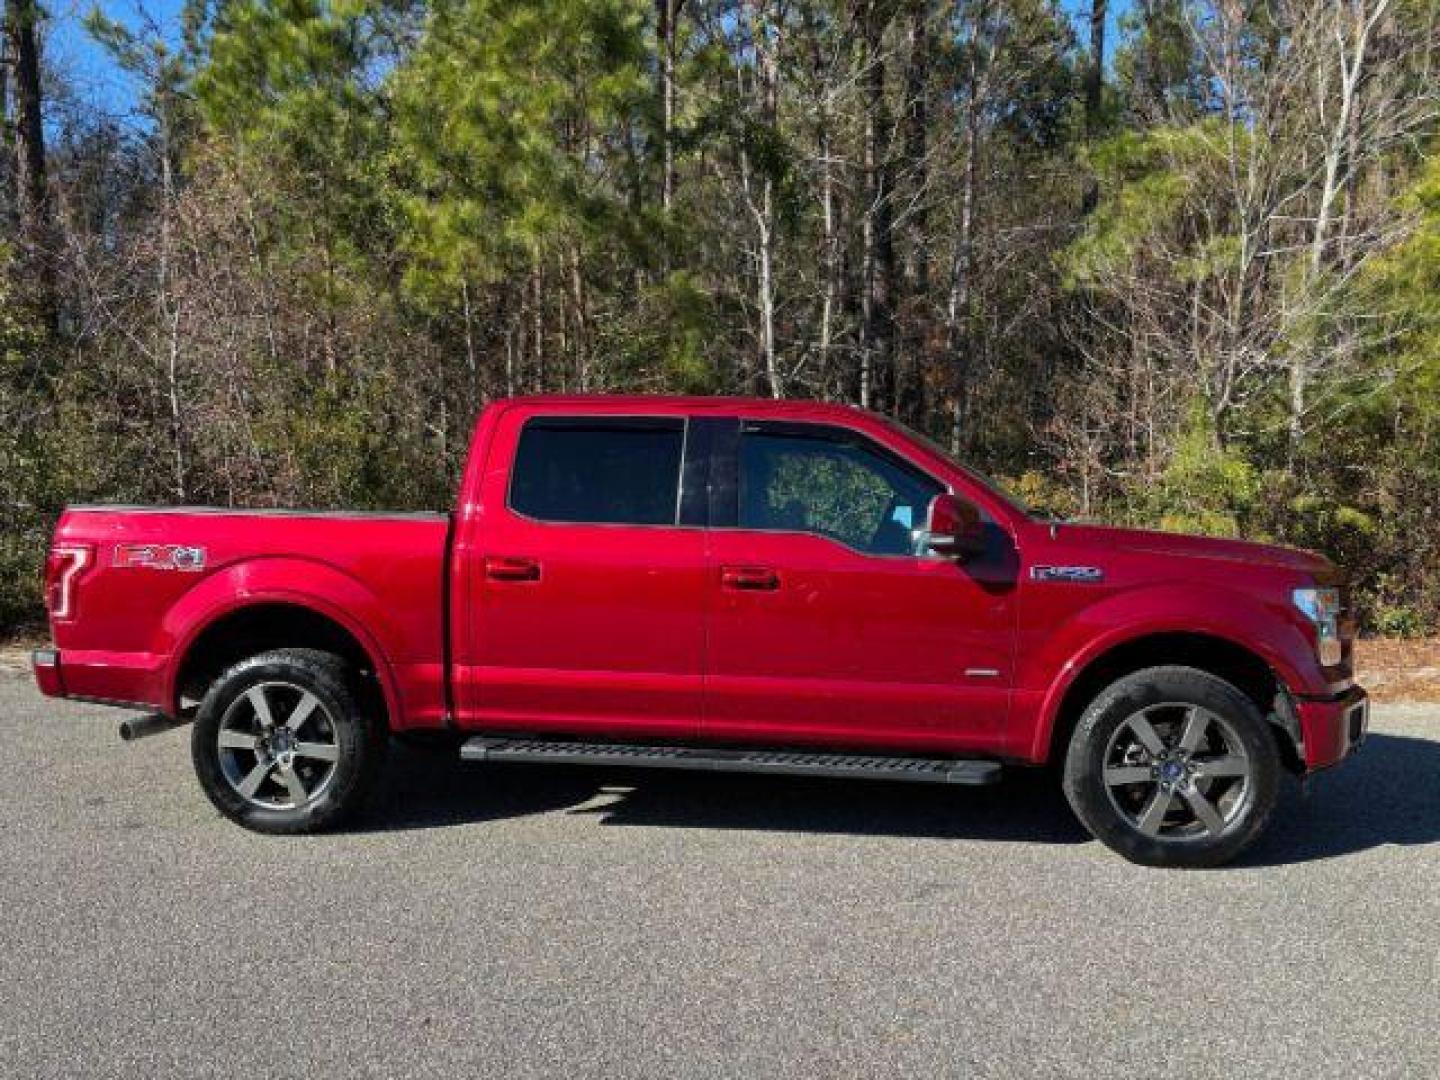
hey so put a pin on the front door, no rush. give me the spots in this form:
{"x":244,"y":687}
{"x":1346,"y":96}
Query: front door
{"x":829,"y":621}
{"x":586,"y":593}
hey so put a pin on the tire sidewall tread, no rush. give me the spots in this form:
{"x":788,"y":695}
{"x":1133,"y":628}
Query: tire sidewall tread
{"x":361,"y":739}
{"x":1083,"y":779}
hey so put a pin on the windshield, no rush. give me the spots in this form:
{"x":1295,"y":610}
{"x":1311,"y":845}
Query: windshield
{"x":999,"y":490}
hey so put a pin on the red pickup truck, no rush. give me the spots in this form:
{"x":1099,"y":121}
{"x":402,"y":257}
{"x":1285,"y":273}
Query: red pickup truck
{"x":723,"y":584}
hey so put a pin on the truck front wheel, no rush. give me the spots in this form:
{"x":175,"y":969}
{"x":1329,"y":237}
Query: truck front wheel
{"x":281,"y":744}
{"x":1172,"y":766}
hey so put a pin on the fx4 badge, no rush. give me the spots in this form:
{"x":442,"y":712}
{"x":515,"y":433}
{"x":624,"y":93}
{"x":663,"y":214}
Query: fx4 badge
{"x":159,"y":556}
{"x":1087,"y":575}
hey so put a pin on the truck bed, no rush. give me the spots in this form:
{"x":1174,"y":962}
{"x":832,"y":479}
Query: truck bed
{"x":153,"y":573}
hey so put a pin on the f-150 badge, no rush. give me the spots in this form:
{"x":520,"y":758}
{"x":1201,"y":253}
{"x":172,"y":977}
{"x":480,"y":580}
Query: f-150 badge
{"x":1085,"y":575}
{"x":160,"y":556}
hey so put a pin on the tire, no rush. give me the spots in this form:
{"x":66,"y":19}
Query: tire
{"x":1157,"y":748}
{"x":311,"y":766}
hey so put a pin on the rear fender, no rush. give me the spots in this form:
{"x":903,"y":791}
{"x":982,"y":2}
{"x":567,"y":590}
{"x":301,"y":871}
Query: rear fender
{"x":284,"y":580}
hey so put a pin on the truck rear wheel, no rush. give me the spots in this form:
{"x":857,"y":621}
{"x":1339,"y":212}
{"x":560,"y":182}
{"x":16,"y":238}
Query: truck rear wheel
{"x":1172,"y":766}
{"x":281,"y":744}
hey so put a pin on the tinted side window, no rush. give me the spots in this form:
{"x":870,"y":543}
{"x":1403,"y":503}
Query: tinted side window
{"x":833,"y":487}
{"x":622,"y":472}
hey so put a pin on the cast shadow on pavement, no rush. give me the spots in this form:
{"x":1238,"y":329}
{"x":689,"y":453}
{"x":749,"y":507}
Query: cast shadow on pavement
{"x":1389,"y":793}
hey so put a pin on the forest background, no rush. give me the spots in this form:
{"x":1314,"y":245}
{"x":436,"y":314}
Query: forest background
{"x":1160,"y":262}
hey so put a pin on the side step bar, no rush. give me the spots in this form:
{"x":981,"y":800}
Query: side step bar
{"x":722,"y":759}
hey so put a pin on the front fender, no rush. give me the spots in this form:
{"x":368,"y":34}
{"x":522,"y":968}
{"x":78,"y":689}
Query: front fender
{"x":302,"y":582}
{"x":1239,"y":618}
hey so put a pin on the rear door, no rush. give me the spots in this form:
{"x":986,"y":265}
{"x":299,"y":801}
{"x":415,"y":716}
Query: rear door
{"x":830,"y":621}
{"x":586,"y":590}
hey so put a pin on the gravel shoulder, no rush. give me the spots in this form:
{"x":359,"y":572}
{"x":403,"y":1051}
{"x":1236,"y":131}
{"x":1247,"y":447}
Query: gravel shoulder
{"x":578,"y":922}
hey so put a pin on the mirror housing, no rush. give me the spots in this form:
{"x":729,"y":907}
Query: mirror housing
{"x":954,"y":528}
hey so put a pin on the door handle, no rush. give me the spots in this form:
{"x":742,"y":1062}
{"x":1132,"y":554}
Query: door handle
{"x":749,"y":578}
{"x":511,"y":568}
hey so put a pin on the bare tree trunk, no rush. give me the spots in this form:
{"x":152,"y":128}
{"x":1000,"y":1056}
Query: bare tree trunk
{"x":910,"y":395}
{"x":1094,"y":95}
{"x":7,"y":153}
{"x":537,"y":325}
{"x":829,"y":232}
{"x":472,"y":365}
{"x":829,"y":245}
{"x":1095,"y":73}
{"x":169,"y":308}
{"x":32,"y":185}
{"x":511,"y":346}
{"x":957,"y":313}
{"x":667,"y":15}
{"x":877,"y":354}
{"x":767,"y":39}
{"x":582,"y":321}
{"x":1355,"y":20}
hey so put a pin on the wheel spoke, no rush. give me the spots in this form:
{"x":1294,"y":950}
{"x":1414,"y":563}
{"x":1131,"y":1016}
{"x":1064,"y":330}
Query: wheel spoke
{"x":254,"y":778}
{"x":1221,"y":766}
{"x":294,"y":783}
{"x":308,"y":704}
{"x":1154,"y":815}
{"x":1197,"y":721}
{"x":318,"y":751}
{"x":261,"y":704}
{"x":231,"y":739}
{"x":1116,"y":775}
{"x":1146,"y":734}
{"x":1204,"y":810}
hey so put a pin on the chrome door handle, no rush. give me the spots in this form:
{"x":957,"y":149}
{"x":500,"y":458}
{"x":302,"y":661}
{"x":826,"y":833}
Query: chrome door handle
{"x":511,"y":568}
{"x":749,"y":578}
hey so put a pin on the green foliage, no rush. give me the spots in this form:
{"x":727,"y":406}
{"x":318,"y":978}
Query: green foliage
{"x":20,"y":337}
{"x":500,"y":114}
{"x":1404,"y":286}
{"x":1045,"y":495}
{"x":1156,"y":66}
{"x":1206,"y":488}
{"x":288,"y":98}
{"x":673,"y":330}
{"x":1150,"y":181}
{"x":25,"y":490}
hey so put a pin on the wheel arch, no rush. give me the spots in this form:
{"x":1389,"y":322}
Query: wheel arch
{"x":1216,"y":654}
{"x":260,"y":624}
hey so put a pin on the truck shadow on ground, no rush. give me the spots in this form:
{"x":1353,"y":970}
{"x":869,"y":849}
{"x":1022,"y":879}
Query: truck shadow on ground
{"x":1388,"y":794}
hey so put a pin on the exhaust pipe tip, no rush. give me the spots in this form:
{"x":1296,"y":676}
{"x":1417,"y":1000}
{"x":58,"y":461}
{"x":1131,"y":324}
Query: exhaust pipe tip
{"x":138,"y":727}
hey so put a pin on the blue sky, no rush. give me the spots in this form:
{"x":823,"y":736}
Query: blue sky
{"x":86,"y":66}
{"x":69,"y":49}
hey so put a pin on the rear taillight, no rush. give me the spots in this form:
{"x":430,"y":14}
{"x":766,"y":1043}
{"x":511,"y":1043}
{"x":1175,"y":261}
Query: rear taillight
{"x":63,"y":569}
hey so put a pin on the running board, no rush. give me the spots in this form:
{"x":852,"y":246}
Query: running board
{"x":721,"y":759}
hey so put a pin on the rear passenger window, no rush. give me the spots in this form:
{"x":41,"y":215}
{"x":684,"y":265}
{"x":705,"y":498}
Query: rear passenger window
{"x":608,"y":472}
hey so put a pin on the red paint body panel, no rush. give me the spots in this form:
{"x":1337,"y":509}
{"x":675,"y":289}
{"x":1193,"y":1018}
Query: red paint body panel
{"x":685,"y":632}
{"x":853,"y":648}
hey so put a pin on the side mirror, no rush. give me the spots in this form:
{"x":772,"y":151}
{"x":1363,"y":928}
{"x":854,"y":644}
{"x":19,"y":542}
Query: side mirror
{"x":954,"y":527}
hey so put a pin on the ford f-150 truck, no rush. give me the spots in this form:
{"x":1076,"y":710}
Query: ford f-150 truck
{"x":722,"y":584}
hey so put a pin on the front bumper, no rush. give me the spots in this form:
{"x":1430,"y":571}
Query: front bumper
{"x":1333,"y":728}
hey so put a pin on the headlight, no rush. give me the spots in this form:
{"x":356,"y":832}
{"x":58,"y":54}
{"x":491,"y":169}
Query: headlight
{"x":1322,"y":608}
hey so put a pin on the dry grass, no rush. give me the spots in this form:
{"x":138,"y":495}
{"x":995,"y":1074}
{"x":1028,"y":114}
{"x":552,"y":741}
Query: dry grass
{"x":1395,"y":670}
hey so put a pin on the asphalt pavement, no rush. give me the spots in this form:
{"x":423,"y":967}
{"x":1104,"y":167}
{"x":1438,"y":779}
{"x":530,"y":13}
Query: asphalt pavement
{"x":509,"y":921}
